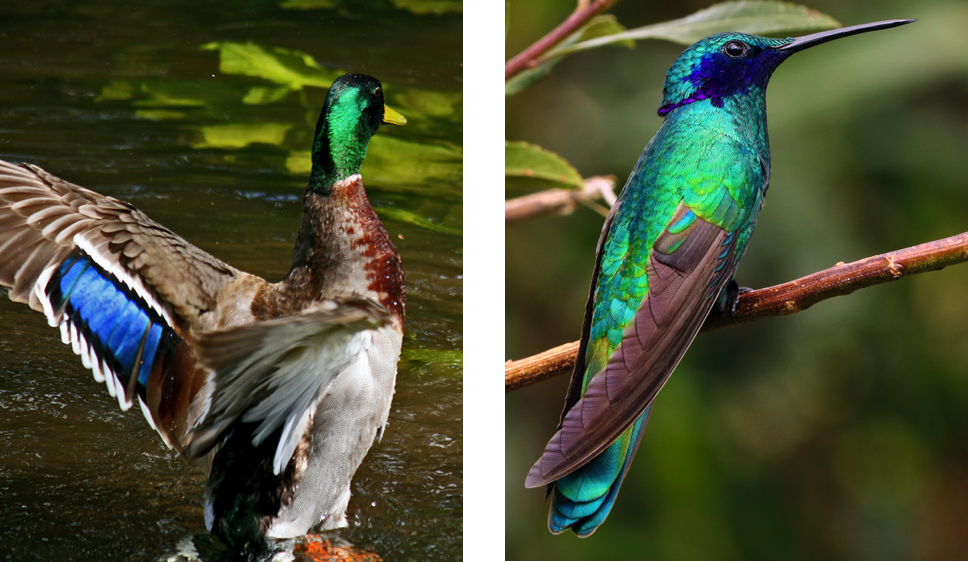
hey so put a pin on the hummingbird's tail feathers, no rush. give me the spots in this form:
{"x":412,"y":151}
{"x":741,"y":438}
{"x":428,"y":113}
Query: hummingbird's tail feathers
{"x":689,"y":264}
{"x":582,"y":500}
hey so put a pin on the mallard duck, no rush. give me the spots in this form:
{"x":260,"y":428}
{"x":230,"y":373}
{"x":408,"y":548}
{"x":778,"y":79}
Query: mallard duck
{"x":281,"y":387}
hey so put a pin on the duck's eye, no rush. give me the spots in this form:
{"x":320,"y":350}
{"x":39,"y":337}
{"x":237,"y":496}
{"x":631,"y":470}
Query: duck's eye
{"x":735,"y":49}
{"x":376,"y":92}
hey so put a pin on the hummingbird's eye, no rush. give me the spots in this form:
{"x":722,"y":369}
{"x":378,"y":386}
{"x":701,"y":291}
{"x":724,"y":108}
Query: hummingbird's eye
{"x":735,"y":49}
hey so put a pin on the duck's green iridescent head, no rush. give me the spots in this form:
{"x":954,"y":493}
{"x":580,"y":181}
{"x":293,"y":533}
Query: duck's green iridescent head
{"x":738,"y":64}
{"x":352,"y":113}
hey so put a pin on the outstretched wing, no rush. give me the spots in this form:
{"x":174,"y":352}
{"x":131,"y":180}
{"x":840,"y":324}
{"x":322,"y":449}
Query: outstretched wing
{"x":124,"y":290}
{"x":688,"y":266}
{"x":273,"y":373}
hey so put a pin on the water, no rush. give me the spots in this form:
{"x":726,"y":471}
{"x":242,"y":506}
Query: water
{"x":202,"y":117}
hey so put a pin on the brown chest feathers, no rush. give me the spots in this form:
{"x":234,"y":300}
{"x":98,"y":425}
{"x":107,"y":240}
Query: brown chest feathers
{"x":342,"y":250}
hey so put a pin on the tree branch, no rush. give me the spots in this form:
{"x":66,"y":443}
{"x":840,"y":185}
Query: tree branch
{"x":559,"y":201}
{"x":779,"y":300}
{"x":530,"y":57}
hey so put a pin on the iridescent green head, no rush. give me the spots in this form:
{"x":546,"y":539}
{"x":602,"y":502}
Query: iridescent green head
{"x":352,"y":113}
{"x":738,"y":64}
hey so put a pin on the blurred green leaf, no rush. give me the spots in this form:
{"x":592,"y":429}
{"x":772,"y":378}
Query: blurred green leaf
{"x":259,"y":96}
{"x":167,"y":99}
{"x":524,"y":160}
{"x":159,"y":114}
{"x":603,"y":25}
{"x":430,"y":6}
{"x":391,"y":161}
{"x":157,"y":93}
{"x":408,"y":217}
{"x":238,"y":135}
{"x":286,"y":67}
{"x":760,"y":17}
{"x":428,"y":102}
{"x":528,"y":77}
{"x":116,"y":90}
{"x":750,"y":16}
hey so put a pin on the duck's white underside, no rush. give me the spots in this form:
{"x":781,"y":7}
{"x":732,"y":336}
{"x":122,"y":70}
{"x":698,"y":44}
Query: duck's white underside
{"x":346,"y":420}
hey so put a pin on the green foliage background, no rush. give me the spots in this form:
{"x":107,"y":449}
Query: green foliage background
{"x":840,"y":432}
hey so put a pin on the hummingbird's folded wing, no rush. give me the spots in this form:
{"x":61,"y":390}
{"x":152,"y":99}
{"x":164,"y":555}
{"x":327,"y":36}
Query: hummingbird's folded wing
{"x":689,"y":264}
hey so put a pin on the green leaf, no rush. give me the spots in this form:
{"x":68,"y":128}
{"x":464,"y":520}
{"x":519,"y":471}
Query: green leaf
{"x":432,"y":103}
{"x":239,"y":135}
{"x":286,"y":67}
{"x":260,"y":95}
{"x":159,"y":114}
{"x":396,"y":162}
{"x":117,"y":90}
{"x":444,"y":356}
{"x":525,"y":161}
{"x":167,"y":93}
{"x":752,"y":16}
{"x":528,"y":77}
{"x":596,"y":27}
{"x":436,"y":7}
{"x":409,"y":217}
{"x":602,"y":26}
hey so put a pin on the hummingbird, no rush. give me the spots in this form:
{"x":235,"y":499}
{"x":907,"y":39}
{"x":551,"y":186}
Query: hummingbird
{"x":666,"y":257}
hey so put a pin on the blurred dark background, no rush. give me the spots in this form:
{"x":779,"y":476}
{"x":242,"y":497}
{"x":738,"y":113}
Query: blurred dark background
{"x":840,"y":432}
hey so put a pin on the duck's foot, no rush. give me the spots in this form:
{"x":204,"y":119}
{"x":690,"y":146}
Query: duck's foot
{"x":319,"y":548}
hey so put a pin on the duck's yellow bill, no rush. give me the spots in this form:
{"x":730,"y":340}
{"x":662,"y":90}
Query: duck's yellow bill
{"x":392,"y":117}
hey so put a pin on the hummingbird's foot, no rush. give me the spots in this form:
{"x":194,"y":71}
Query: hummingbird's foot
{"x":728,"y":301}
{"x":733,"y":291}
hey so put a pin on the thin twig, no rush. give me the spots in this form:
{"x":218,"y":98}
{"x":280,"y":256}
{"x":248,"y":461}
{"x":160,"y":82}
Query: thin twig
{"x":527,"y":371}
{"x":559,"y":201}
{"x":530,"y":57}
{"x":779,"y":300}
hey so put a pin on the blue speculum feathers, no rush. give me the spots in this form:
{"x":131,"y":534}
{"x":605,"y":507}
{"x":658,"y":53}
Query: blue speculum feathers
{"x":123,"y":330}
{"x":669,"y":249}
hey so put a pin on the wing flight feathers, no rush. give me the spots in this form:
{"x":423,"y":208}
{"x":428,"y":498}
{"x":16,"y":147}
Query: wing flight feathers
{"x":123,"y":289}
{"x":688,"y":267}
{"x":43,"y":219}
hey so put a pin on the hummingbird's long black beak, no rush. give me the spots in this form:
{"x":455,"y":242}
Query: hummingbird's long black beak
{"x":807,"y":41}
